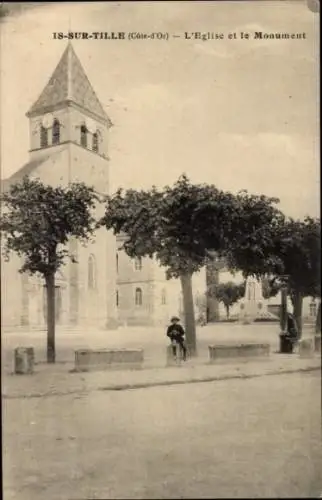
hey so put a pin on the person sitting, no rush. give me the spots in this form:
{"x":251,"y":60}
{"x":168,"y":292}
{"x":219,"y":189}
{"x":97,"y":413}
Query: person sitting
{"x":292,"y":329}
{"x":176,"y":334}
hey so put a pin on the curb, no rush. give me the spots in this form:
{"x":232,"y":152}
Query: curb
{"x":148,"y":385}
{"x":219,"y":378}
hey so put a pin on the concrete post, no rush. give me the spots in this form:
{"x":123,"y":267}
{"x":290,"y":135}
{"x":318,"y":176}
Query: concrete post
{"x":24,"y":360}
{"x":306,"y":348}
{"x":317,"y":343}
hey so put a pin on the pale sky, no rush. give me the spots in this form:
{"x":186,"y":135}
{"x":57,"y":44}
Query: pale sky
{"x":242,"y":114}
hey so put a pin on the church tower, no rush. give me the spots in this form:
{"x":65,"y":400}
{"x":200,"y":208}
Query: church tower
{"x":68,"y":143}
{"x":68,"y":116}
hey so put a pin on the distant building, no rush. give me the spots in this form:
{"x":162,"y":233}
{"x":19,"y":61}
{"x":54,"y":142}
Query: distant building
{"x":144,"y":295}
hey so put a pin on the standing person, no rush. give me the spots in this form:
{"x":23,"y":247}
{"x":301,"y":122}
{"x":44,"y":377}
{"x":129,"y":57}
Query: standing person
{"x":292,"y":328}
{"x":176,"y":334}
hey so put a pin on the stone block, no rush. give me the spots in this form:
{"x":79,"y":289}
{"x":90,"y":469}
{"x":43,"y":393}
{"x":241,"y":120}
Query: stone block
{"x":238,"y":351}
{"x":306,"y":348}
{"x":24,"y":360}
{"x":107,"y":359}
{"x":317,"y":343}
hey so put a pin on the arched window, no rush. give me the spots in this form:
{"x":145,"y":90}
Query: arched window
{"x":163,"y":297}
{"x":43,"y":137}
{"x":91,"y":272}
{"x":56,"y":132}
{"x":83,"y":138}
{"x":95,"y":142}
{"x":138,"y":297}
{"x":138,"y":264}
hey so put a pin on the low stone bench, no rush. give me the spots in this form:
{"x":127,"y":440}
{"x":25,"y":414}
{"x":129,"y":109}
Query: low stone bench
{"x":228,"y":352}
{"x":24,"y":360}
{"x":108,"y":359}
{"x":306,"y":348}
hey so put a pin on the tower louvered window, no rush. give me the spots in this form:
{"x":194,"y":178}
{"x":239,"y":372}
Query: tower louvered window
{"x":83,"y":138}
{"x":56,"y":132}
{"x":43,"y":137}
{"x":95,"y":142}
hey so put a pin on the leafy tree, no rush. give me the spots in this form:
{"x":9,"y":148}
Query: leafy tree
{"x":299,"y":251}
{"x":251,"y":242}
{"x":228,"y":293}
{"x":270,"y":287}
{"x":285,"y":249}
{"x":174,"y":225}
{"x":37,"y":221}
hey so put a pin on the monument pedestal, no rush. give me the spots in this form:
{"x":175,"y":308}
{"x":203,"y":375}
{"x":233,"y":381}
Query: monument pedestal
{"x":253,"y":305}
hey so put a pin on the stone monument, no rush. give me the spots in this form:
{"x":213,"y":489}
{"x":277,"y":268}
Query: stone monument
{"x":253,"y":305}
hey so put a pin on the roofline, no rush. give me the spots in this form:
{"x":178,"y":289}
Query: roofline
{"x":65,"y":143}
{"x":45,"y":109}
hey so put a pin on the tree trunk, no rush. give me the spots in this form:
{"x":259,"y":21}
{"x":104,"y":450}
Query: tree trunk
{"x":283,"y":312}
{"x":318,"y":320}
{"x":189,"y":315}
{"x":227,"y":311}
{"x":297,"y":311}
{"x":50,"y":291}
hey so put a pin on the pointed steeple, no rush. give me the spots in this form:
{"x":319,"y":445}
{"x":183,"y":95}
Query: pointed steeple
{"x":69,"y":84}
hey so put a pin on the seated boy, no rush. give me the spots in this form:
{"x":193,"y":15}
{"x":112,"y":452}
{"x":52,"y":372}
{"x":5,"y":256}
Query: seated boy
{"x":176,"y":334}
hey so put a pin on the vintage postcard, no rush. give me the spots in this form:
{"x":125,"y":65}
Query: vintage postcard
{"x":160,"y":249}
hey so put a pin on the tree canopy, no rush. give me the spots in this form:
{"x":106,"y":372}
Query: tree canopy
{"x":271,"y":287}
{"x":251,"y":246}
{"x":298,"y":247}
{"x":299,"y":250}
{"x":37,"y":221}
{"x":183,"y":224}
{"x":174,"y":225}
{"x":228,"y":293}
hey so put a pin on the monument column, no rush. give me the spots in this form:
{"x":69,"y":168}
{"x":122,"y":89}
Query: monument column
{"x":253,"y":304}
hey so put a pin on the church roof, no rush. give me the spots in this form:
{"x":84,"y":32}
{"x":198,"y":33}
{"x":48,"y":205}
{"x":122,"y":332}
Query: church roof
{"x":69,"y":83}
{"x":25,"y":170}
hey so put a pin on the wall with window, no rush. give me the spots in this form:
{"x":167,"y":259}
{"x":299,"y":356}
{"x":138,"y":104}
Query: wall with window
{"x":133,"y":270}
{"x":135,"y":303}
{"x":72,"y":128}
{"x":53,"y":138}
{"x":96,"y":140}
{"x":96,"y":280}
{"x":138,"y":297}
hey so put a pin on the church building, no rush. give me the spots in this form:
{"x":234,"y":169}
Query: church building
{"x":69,"y":131}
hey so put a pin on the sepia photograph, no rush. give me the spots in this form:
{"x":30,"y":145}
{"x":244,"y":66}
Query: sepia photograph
{"x":160,"y":249}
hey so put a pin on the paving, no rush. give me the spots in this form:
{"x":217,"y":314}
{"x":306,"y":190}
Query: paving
{"x":233,"y":429}
{"x":254,"y":438}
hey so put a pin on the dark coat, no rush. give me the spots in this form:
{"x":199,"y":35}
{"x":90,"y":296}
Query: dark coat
{"x":175,"y":332}
{"x":292,"y":329}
